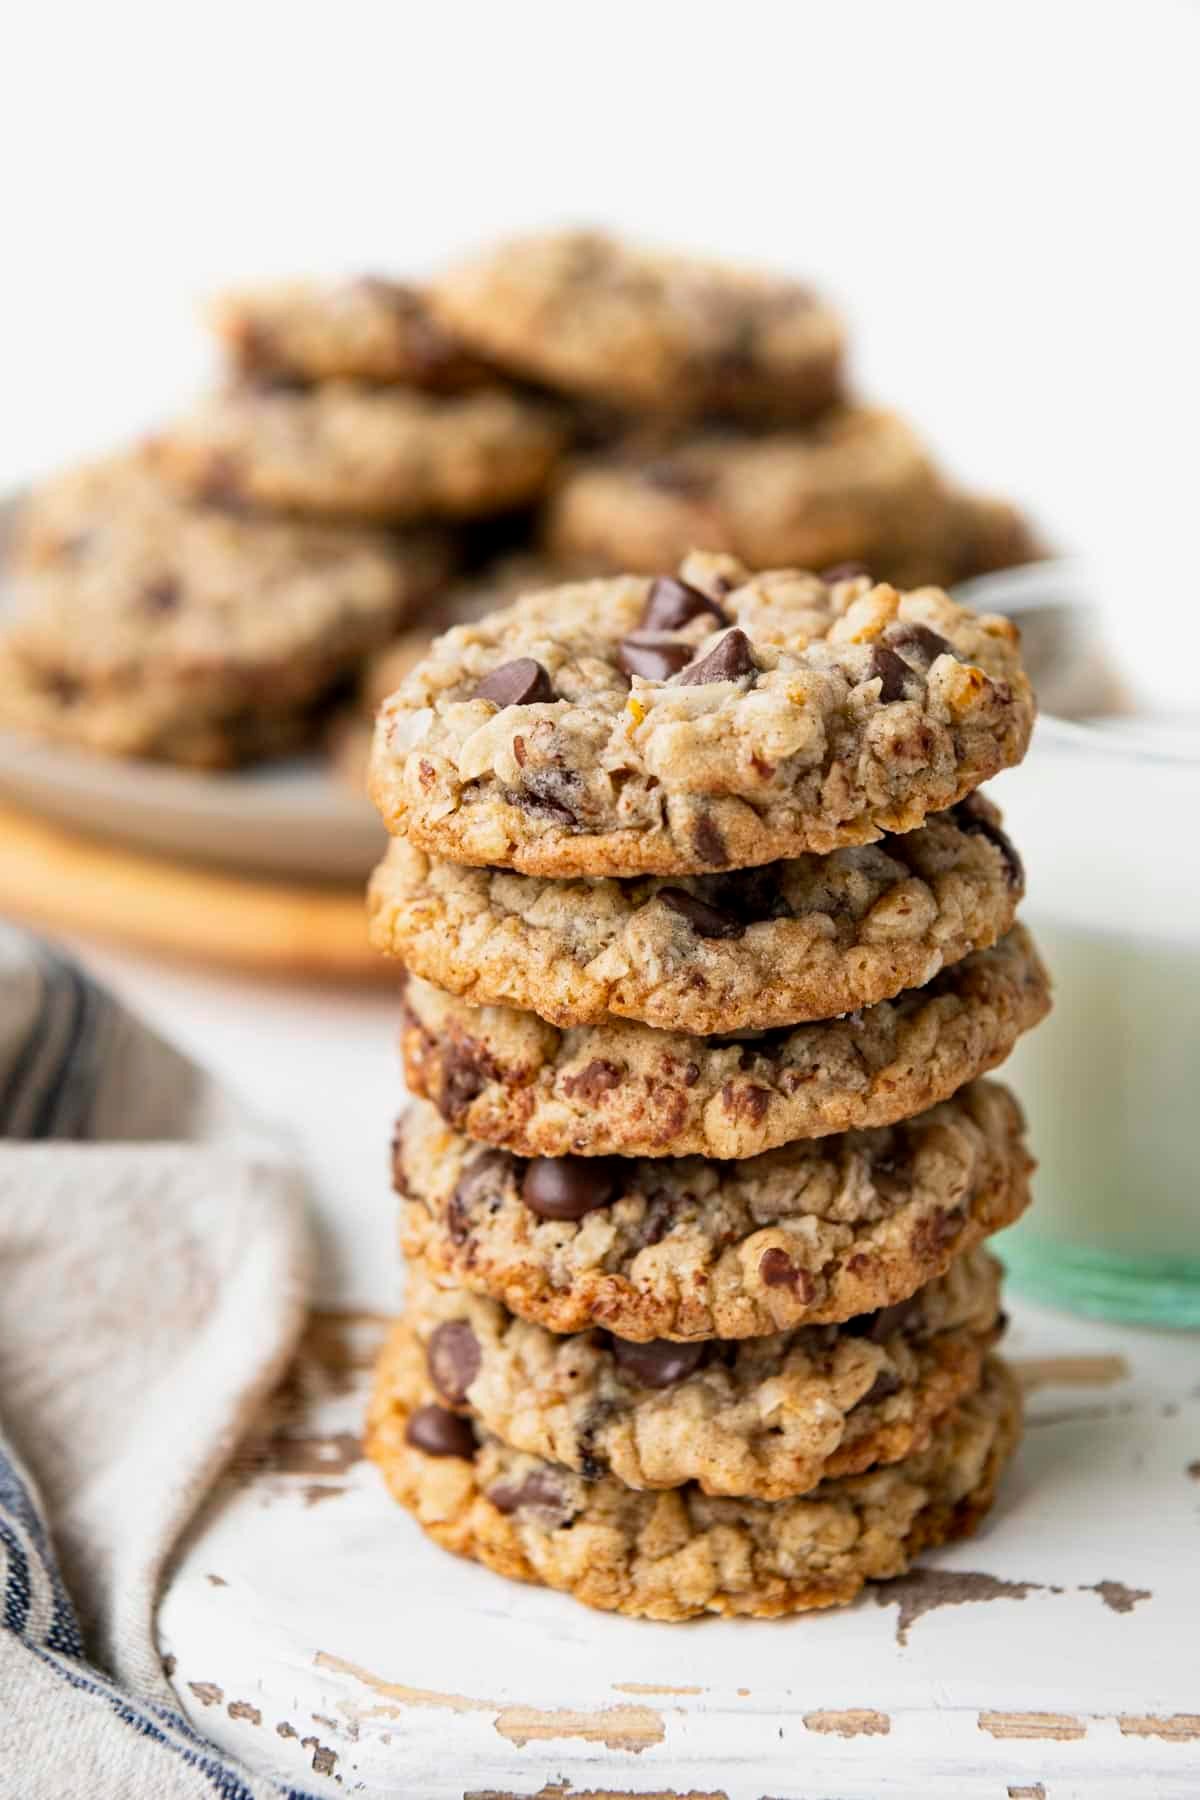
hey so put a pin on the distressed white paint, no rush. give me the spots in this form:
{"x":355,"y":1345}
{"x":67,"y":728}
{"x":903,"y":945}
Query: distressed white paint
{"x":313,"y":1591}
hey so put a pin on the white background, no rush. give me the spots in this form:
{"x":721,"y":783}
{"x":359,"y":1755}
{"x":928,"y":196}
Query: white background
{"x":1003,"y":194}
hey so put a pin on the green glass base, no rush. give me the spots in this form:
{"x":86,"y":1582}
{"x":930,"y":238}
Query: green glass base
{"x":1150,"y":1292}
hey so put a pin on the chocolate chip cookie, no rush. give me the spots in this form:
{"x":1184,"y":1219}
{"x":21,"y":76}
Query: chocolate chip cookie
{"x":809,"y":938}
{"x":681,"y":1553}
{"x":687,"y":1247}
{"x":856,"y":483}
{"x":679,"y":725}
{"x":143,"y":625}
{"x":758,"y":1418}
{"x":623,"y":1088}
{"x":586,"y":313}
{"x":344,"y":450}
{"x":365,"y":329}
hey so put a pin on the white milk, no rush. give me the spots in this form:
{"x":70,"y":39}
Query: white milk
{"x":1111,"y":840}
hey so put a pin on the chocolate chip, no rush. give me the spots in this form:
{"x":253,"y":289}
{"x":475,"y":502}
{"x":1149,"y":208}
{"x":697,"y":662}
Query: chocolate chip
{"x":519,"y":683}
{"x":653,"y":657}
{"x":709,"y":845}
{"x":659,"y":1364}
{"x":892,"y":673}
{"x":928,"y":644}
{"x":440,"y":1433}
{"x":483,"y":1181}
{"x":885,"y":1384}
{"x":843,"y":571}
{"x":661,"y":1211}
{"x":884,"y":1322}
{"x":568,"y":1187}
{"x":704,"y":920}
{"x":453,"y":1358}
{"x":537,"y":1489}
{"x":973,"y":817}
{"x":931,"y":1234}
{"x":751,"y":895}
{"x":778,"y":1270}
{"x":595,"y":1078}
{"x":672,"y":603}
{"x":465,"y":1070}
{"x":677,"y":478}
{"x":163,"y":595}
{"x":728,"y":660}
{"x":548,"y":794}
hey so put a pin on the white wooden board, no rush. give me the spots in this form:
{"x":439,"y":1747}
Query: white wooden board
{"x":311,"y":1628}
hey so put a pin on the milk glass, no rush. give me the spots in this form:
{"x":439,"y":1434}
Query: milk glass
{"x":1106,"y":814}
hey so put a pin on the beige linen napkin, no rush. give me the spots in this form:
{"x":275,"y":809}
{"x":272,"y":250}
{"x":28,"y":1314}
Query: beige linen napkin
{"x":154,"y":1269}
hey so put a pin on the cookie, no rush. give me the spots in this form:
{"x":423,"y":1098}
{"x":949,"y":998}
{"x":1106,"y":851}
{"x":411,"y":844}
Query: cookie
{"x":586,"y":313}
{"x":856,"y":483}
{"x":808,"y":938}
{"x":635,"y":726}
{"x":687,"y":1247}
{"x":681,"y":1553}
{"x":343,"y":450}
{"x":623,"y":1088}
{"x":496,"y":584}
{"x":364,"y":329}
{"x":143,"y":625}
{"x":761,"y":1418}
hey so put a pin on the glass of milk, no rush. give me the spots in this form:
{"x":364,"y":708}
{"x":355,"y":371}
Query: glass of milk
{"x":1106,"y":815}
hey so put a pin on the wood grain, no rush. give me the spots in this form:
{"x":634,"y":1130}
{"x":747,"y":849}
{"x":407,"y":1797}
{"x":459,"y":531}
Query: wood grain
{"x":58,"y":881}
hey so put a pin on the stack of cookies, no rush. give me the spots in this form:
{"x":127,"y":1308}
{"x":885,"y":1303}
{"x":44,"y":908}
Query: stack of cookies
{"x":203,"y":598}
{"x":381,"y":461}
{"x":709,"y":945}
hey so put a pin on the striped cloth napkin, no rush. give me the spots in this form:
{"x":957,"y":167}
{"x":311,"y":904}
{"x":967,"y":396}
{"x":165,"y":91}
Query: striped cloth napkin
{"x":154,"y":1267}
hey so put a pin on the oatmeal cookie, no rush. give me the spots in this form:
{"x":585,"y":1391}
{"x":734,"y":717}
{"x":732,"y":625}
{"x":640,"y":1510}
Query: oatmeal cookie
{"x":714,"y":721}
{"x":689,"y":1247}
{"x":808,"y":938}
{"x":758,"y":1418}
{"x":367,"y":328}
{"x":510,"y":1078}
{"x":681,"y":1553}
{"x":856,"y":484}
{"x":143,"y":625}
{"x":586,"y":313}
{"x":344,"y":450}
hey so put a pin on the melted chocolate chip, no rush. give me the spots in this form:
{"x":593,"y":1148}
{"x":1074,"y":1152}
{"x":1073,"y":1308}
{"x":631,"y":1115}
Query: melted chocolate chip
{"x":972,"y":816}
{"x":885,"y":1384}
{"x":537,"y":1489}
{"x":651,"y":656}
{"x":891,"y":672}
{"x":778,"y":1270}
{"x":548,"y":793}
{"x":568,"y":1187}
{"x":466,"y":1067}
{"x":672,"y":603}
{"x":659,"y":1364}
{"x":453,"y":1358}
{"x":884,"y":1322}
{"x":440,"y":1433}
{"x":843,"y":571}
{"x":162,"y":596}
{"x":677,"y":478}
{"x":709,"y":845}
{"x":519,"y":683}
{"x":751,"y":895}
{"x":482,"y":1182}
{"x":704,"y":920}
{"x":728,"y":660}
